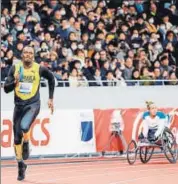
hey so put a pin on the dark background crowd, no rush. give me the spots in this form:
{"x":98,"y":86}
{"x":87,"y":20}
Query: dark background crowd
{"x":106,"y":42}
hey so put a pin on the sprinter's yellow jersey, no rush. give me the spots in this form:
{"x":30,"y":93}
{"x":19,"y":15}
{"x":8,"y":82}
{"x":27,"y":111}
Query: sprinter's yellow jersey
{"x":29,"y":81}
{"x":27,"y":89}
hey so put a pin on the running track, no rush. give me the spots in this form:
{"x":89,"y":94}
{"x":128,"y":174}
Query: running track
{"x":98,"y":171}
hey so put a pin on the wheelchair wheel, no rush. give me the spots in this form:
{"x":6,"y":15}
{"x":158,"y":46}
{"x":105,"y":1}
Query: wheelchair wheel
{"x":132,"y":152}
{"x":146,"y":153}
{"x":169,"y":146}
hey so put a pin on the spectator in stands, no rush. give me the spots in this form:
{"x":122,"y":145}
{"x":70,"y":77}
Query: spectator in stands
{"x":109,"y":80}
{"x":127,"y":73}
{"x":73,"y":78}
{"x":4,"y":71}
{"x":98,"y":78}
{"x":157,"y":76}
{"x":173,"y":79}
{"x":54,"y":60}
{"x":165,"y":64}
{"x":135,"y":76}
{"x":146,"y":75}
{"x":18,"y":50}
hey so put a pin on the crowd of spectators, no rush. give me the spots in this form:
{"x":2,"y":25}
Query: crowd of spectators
{"x":81,"y":41}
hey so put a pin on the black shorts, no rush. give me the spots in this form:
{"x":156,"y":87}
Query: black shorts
{"x":151,"y":134}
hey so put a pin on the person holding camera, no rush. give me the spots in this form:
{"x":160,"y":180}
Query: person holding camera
{"x":116,"y":129}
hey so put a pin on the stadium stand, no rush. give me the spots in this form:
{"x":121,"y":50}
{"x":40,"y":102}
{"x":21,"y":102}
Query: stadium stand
{"x":101,"y":41}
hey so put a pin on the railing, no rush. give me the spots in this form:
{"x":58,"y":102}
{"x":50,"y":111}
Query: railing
{"x":116,"y":83}
{"x":105,"y":83}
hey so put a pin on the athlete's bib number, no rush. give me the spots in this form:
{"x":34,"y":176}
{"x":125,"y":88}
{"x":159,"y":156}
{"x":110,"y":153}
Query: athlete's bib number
{"x":25,"y":87}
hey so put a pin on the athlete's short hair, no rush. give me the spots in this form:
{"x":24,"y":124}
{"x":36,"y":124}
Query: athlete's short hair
{"x":149,"y":103}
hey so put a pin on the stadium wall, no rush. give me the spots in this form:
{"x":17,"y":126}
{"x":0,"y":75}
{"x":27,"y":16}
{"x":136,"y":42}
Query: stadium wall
{"x":81,"y":121}
{"x":104,"y":97}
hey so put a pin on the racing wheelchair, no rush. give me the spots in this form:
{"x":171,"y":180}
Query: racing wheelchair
{"x":166,"y":142}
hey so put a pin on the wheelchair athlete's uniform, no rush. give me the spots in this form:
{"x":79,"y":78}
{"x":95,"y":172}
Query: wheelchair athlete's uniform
{"x":153,"y":127}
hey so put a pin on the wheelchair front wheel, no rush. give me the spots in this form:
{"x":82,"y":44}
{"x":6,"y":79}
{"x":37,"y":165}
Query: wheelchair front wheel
{"x":169,"y":146}
{"x":146,"y":153}
{"x":132,"y":152}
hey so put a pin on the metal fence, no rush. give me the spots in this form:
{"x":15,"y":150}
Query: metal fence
{"x":111,"y":83}
{"x":115,"y":83}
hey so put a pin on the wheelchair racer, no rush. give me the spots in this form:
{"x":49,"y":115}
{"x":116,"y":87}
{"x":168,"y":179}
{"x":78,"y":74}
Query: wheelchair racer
{"x":154,"y":122}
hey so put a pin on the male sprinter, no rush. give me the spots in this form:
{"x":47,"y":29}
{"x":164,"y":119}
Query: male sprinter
{"x":24,"y":79}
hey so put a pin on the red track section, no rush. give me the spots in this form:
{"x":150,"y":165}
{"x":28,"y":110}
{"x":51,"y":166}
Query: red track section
{"x":97,"y":171}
